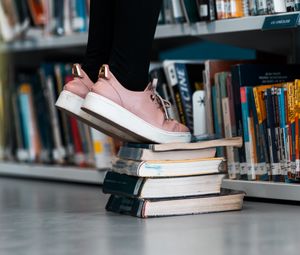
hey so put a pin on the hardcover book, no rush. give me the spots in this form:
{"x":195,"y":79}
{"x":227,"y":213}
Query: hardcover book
{"x":227,"y":200}
{"x":195,"y":145}
{"x":127,"y":152}
{"x":133,"y":186}
{"x":166,"y":168}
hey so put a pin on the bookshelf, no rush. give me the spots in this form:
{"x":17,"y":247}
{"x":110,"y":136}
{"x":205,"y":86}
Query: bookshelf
{"x":242,"y":32}
{"x":48,"y":172}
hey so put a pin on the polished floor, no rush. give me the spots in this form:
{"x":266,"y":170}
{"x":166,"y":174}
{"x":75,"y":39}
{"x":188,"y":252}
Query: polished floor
{"x":40,"y":218}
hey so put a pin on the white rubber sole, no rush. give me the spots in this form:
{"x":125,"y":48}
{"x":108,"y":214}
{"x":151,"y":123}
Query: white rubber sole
{"x":71,"y":104}
{"x":122,"y":119}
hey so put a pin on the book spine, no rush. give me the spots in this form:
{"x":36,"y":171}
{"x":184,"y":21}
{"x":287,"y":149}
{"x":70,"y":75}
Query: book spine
{"x":261,"y":170}
{"x":206,"y":10}
{"x":23,"y":103}
{"x":130,"y":153}
{"x":275,"y":166}
{"x":233,"y":122}
{"x":297,"y":5}
{"x":283,"y":132}
{"x":103,"y":149}
{"x":168,"y":12}
{"x":278,"y":142}
{"x":220,"y":9}
{"x":253,"y":9}
{"x":259,"y":112}
{"x":126,"y":205}
{"x":236,"y":8}
{"x":231,"y":164}
{"x":126,"y":167}
{"x":174,"y":91}
{"x":208,"y":99}
{"x":190,"y":10}
{"x":262,"y":7}
{"x":291,"y":123}
{"x":79,"y":155}
{"x":279,"y":6}
{"x":290,"y":5}
{"x":297,"y":126}
{"x":248,"y":139}
{"x":177,"y":12}
{"x":288,"y":135}
{"x":121,"y":184}
{"x":184,"y":95}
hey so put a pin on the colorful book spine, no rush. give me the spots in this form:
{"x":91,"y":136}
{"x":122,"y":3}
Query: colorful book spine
{"x":291,"y":123}
{"x":283,"y":132}
{"x":278,"y":141}
{"x":288,"y":135}
{"x":185,"y":93}
{"x":297,"y":126}
{"x":275,"y":165}
{"x":248,"y":133}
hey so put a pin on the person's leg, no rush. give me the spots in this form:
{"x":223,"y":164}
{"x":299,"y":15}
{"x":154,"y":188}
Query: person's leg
{"x":100,"y":36}
{"x":134,"y":27}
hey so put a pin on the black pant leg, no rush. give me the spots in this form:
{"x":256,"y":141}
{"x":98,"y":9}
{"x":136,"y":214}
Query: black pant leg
{"x":134,"y":27}
{"x":100,"y":36}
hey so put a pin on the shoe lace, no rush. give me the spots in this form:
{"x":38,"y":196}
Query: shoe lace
{"x":161,"y":101}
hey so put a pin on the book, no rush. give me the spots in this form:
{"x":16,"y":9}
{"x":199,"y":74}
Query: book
{"x":28,"y":122}
{"x":190,"y":10}
{"x":211,"y":68}
{"x":196,"y":145}
{"x":166,"y":168}
{"x":249,"y":74}
{"x":103,"y":149}
{"x":236,"y":8}
{"x":177,"y":11}
{"x":127,"y":152}
{"x":277,"y":6}
{"x":37,"y":11}
{"x":297,"y":5}
{"x":7,"y":21}
{"x":290,"y":5}
{"x":253,"y":10}
{"x":199,"y":113}
{"x":189,"y":79}
{"x":206,"y":10}
{"x":227,"y":200}
{"x":168,"y":187}
{"x":262,"y":7}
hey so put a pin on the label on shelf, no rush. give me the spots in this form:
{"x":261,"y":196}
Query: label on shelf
{"x":281,"y":21}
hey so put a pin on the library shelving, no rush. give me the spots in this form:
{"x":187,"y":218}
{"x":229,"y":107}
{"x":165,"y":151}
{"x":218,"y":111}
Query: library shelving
{"x":246,"y":32}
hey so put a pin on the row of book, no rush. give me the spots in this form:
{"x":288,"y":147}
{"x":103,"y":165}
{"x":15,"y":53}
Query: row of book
{"x":64,"y":17}
{"x":162,"y":180}
{"x":33,"y":130}
{"x":180,"y":11}
{"x":220,"y":111}
{"x":58,"y":17}
{"x":270,"y":116}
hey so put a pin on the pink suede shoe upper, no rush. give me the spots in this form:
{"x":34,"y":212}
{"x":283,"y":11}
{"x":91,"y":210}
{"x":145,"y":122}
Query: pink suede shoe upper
{"x":147,"y":104}
{"x":81,"y":84}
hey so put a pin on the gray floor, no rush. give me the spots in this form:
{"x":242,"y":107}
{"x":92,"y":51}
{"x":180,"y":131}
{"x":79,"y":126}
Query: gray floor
{"x":57,"y":218}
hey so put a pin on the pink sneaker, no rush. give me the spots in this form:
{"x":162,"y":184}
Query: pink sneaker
{"x":140,"y":114}
{"x":72,"y":97}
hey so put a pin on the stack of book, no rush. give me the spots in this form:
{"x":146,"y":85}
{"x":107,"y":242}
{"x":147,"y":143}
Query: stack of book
{"x":151,"y":180}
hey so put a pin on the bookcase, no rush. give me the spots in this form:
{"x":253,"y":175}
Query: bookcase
{"x":243,"y":32}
